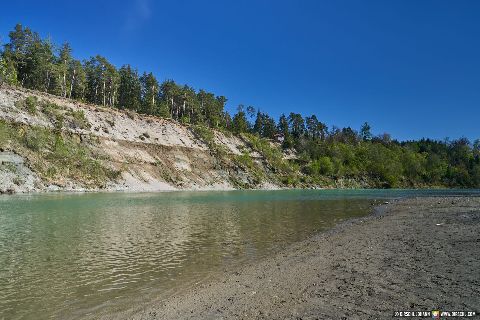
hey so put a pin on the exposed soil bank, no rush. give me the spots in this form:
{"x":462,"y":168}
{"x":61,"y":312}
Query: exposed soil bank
{"x":413,"y":254}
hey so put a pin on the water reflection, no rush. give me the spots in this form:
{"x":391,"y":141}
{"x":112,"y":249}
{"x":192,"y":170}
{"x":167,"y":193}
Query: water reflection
{"x":67,"y":256}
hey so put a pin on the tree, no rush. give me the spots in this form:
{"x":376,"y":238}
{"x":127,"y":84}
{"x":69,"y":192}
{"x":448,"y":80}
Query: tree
{"x":348,"y":135}
{"x":284,"y":130}
{"x":170,"y":95}
{"x":315,"y":128}
{"x":283,"y":125}
{"x":365,"y":132}
{"x":212,"y":107}
{"x":476,"y":150}
{"x":36,"y":63}
{"x":150,"y":91}
{"x":297,"y":125}
{"x":130,"y":89}
{"x":93,"y":73}
{"x":16,"y":50}
{"x":269,"y":128}
{"x":228,"y":121}
{"x":63,"y":66}
{"x":190,"y":110}
{"x":251,"y":111}
{"x":39,"y":65}
{"x":239,"y":122}
{"x":78,"y":80}
{"x":258,"y":126}
{"x":8,"y":73}
{"x":264,"y":125}
{"x":217,"y":116}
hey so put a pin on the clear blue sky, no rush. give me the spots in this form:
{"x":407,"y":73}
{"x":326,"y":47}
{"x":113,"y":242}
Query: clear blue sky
{"x":410,"y":68}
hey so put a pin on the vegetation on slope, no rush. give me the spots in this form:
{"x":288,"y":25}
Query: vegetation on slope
{"x":56,"y":155}
{"x":326,"y":155}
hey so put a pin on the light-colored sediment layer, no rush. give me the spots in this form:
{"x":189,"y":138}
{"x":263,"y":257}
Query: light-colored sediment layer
{"x":153,"y":154}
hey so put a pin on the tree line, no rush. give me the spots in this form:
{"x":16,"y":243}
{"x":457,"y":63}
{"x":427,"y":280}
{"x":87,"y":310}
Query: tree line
{"x":29,"y":61}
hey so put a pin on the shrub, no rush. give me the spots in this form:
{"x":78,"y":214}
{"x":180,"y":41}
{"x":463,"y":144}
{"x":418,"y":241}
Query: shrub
{"x":79,"y":120}
{"x":58,"y":155}
{"x":31,"y":104}
{"x":206,"y":135}
{"x":36,"y":139}
{"x":322,"y":166}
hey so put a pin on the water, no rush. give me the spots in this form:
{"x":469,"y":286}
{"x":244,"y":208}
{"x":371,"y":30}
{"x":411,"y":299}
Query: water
{"x":69,"y":256}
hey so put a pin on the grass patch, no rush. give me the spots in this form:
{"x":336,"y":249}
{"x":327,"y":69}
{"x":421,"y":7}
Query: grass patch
{"x":57,"y":156}
{"x":78,"y":119}
{"x":272,"y":154}
{"x":59,"y":116}
{"x":29,"y":104}
{"x":207,"y":135}
{"x":246,"y":162}
{"x":285,"y":170}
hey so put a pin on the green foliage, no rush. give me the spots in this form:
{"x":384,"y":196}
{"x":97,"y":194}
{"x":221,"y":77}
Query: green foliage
{"x":326,"y":154}
{"x":365,"y":132}
{"x":78,"y":119}
{"x":322,"y":166}
{"x":246,"y":162}
{"x":130,"y":89}
{"x":5,"y":133}
{"x":272,"y":154}
{"x":57,"y":156}
{"x":29,"y":104}
{"x":240,"y":123}
{"x":36,"y":139}
{"x":204,"y":134}
{"x":8,"y":73}
{"x":207,"y":135}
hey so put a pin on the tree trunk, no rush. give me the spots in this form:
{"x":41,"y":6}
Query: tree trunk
{"x":103,"y":92}
{"x":48,"y":82}
{"x":153,"y":97}
{"x":65,"y":79}
{"x":71,"y":84}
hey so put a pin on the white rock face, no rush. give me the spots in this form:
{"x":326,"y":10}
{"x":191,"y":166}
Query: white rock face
{"x":153,"y":154}
{"x":15,"y":177}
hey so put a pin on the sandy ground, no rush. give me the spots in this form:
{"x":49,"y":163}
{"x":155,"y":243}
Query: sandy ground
{"x":414,"y":254}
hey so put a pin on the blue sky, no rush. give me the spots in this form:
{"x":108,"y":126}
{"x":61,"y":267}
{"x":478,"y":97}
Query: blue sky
{"x":409,"y":68}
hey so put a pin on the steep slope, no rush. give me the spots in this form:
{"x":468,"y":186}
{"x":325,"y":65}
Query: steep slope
{"x":50,"y":143}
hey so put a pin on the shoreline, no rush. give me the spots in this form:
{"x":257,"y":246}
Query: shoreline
{"x":206,"y":189}
{"x":410,"y":254}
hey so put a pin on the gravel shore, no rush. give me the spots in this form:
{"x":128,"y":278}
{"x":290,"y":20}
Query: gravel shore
{"x":413,"y":254}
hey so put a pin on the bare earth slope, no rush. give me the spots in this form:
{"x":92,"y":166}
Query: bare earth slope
{"x":416,"y":254}
{"x":149,"y":153}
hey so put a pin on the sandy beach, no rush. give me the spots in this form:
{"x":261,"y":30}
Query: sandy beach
{"x":412,"y":254}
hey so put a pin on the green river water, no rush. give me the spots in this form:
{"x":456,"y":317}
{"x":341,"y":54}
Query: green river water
{"x":71,"y":256}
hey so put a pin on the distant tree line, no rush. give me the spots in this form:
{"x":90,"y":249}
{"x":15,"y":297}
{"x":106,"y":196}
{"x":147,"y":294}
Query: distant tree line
{"x":35,"y":63}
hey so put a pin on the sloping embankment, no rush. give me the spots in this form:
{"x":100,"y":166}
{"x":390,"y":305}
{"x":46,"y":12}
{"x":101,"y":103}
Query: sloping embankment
{"x":49,"y":143}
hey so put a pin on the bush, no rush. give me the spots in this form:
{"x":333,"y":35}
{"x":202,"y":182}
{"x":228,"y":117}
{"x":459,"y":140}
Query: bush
{"x":36,"y":139}
{"x":79,"y":120}
{"x":29,"y":104}
{"x":57,"y":155}
{"x":207,"y":135}
{"x":322,"y":166}
{"x":272,"y":155}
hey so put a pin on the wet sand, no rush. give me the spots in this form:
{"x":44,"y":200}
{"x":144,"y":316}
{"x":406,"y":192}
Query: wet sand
{"x":412,"y":254}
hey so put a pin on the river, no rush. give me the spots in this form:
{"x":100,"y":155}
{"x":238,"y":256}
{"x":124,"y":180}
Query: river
{"x":71,"y":256}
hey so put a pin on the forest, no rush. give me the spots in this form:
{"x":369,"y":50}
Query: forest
{"x":324,"y":152}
